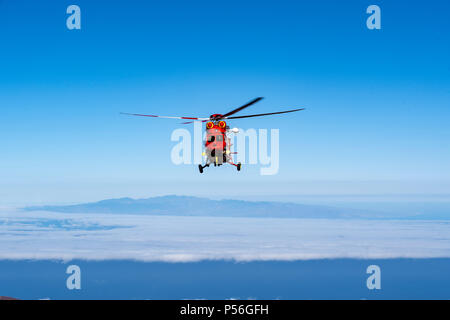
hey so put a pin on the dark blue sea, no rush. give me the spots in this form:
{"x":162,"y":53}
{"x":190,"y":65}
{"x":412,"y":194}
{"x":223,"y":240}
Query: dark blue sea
{"x":310,"y":279}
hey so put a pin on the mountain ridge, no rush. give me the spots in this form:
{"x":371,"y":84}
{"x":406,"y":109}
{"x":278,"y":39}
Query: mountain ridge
{"x":175,"y":205}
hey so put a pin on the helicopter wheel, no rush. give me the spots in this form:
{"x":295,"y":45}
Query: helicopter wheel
{"x":238,"y":166}
{"x":200,"y":168}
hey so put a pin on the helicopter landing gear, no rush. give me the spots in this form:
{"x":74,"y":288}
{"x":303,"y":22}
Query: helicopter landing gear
{"x":238,"y":165}
{"x":200,"y":167}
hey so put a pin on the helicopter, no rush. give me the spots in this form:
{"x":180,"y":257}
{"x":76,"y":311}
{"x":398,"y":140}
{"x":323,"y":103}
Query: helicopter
{"x":217,"y":144}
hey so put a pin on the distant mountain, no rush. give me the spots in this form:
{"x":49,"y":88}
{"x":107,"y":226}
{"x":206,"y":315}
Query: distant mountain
{"x":193,"y":206}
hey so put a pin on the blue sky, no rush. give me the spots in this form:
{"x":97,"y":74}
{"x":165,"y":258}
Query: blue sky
{"x":377,"y":101}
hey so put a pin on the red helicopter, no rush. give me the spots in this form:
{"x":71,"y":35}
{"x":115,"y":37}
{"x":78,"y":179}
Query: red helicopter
{"x":217,"y":140}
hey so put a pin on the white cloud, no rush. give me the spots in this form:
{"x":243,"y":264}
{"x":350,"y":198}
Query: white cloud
{"x":43,"y":235}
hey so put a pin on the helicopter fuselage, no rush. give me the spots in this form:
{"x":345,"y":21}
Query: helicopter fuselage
{"x":217,"y":142}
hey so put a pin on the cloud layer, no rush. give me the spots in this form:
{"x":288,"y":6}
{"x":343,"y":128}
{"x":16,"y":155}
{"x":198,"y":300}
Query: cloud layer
{"x":45,"y":235}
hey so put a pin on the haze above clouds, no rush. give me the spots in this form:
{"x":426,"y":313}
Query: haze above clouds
{"x":194,"y":206}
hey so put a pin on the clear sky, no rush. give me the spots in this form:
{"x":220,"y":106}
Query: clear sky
{"x":378,"y":101}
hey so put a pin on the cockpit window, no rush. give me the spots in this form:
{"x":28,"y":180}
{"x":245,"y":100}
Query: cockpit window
{"x":219,"y":138}
{"x":211,"y":138}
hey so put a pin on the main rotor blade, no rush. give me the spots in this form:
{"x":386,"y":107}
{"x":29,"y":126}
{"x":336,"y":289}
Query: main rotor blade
{"x":167,"y":117}
{"x":242,"y":107}
{"x":195,"y":121}
{"x":265,"y":114}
